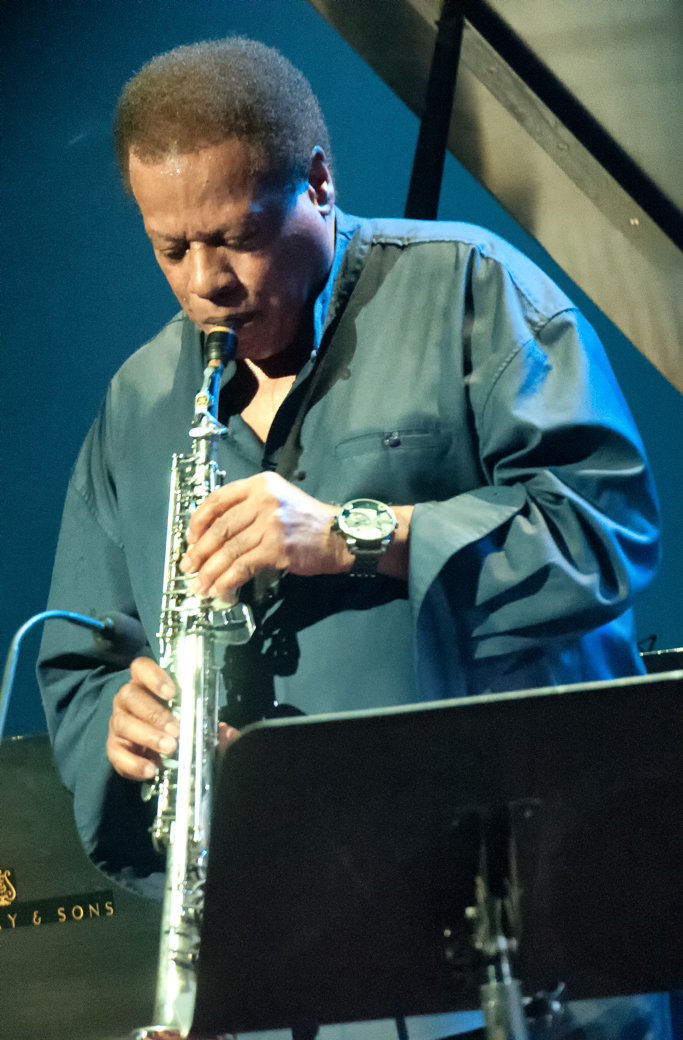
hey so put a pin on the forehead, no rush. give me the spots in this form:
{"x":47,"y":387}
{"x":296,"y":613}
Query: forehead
{"x":201,"y":190}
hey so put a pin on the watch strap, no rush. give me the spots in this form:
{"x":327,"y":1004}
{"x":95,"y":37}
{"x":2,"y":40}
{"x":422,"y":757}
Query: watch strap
{"x":366,"y":561}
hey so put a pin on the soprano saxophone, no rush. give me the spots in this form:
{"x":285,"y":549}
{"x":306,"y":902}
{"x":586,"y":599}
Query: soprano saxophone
{"x":193,"y":634}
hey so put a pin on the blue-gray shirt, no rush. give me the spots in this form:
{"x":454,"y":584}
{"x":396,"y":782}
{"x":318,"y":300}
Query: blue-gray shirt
{"x":452,"y":373}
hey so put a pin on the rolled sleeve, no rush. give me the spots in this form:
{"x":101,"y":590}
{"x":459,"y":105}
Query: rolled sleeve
{"x":78,"y":683}
{"x":566,"y":530}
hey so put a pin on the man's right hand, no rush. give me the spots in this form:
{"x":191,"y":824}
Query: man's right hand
{"x":142,"y":727}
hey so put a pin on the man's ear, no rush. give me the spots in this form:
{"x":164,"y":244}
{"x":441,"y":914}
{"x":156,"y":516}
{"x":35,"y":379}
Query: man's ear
{"x":320,"y":185}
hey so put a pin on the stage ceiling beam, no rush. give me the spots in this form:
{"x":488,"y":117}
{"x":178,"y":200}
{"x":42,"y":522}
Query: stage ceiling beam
{"x":529,"y":142}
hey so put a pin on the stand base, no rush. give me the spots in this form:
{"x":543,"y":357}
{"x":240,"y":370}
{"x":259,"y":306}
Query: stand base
{"x":155,"y":1033}
{"x":161,"y":1033}
{"x":501,"y":1003}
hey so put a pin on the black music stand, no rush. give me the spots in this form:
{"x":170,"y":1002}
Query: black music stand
{"x":345,"y":848}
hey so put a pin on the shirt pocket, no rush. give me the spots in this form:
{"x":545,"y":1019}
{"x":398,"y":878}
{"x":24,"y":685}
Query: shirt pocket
{"x":401,"y":465}
{"x":394,"y":442}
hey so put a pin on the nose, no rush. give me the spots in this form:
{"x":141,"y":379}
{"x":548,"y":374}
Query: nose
{"x":211,"y":274}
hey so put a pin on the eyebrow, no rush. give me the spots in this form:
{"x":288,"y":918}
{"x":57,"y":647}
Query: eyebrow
{"x":251,"y":222}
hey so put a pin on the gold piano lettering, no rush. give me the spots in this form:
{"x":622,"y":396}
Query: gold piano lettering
{"x":57,"y":910}
{"x":8,"y":892}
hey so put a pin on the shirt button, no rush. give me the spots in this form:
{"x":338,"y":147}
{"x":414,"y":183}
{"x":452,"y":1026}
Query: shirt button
{"x":392,"y":440}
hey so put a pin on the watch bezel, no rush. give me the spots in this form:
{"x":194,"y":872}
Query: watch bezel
{"x":381,"y":509}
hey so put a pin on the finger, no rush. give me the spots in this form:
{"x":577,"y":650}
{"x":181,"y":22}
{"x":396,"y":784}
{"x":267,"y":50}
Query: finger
{"x":226,"y":735}
{"x":224,"y":529}
{"x":225,"y":562}
{"x":127,"y":727}
{"x":148,"y":674}
{"x":241,"y":571}
{"x":215,"y":504}
{"x":136,"y":700}
{"x":131,"y":761}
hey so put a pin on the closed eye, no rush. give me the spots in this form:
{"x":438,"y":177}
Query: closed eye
{"x":175,"y":255}
{"x":254,"y":237}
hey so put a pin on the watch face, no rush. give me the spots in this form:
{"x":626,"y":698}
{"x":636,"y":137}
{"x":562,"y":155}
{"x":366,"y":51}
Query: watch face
{"x":367,"y":520}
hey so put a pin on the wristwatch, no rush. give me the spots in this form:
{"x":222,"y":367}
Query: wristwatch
{"x":366,"y":526}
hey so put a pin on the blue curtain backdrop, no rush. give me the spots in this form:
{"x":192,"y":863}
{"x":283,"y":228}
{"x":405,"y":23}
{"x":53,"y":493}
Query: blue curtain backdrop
{"x":81,"y":290}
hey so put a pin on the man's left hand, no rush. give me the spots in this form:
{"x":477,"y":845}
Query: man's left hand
{"x":264,"y":522}
{"x":260,"y":523}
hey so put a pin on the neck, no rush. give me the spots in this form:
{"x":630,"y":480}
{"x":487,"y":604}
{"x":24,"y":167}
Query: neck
{"x":291,"y":360}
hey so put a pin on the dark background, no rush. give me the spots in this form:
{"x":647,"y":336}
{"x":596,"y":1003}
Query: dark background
{"x":81,"y":290}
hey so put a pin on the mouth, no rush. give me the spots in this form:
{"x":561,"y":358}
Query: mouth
{"x":232,"y":321}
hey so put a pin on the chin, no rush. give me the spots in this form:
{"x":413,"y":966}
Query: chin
{"x":257,"y":345}
{"x":257,"y":352}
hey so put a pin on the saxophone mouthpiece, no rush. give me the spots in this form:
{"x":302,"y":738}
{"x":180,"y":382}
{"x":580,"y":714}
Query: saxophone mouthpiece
{"x":220,"y":346}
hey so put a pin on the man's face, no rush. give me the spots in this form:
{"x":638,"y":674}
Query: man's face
{"x":234,"y":252}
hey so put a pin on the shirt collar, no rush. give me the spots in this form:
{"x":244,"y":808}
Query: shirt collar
{"x":343,"y":233}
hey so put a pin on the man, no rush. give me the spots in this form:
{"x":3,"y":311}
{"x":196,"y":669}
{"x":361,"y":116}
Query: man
{"x":429,"y":367}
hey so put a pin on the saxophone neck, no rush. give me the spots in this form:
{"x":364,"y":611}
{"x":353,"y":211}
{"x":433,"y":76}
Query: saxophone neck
{"x":220,"y":348}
